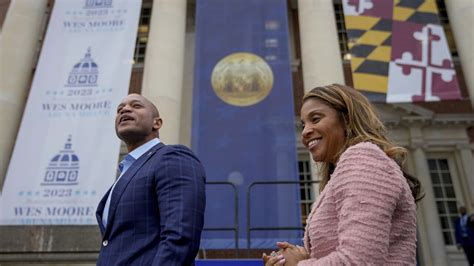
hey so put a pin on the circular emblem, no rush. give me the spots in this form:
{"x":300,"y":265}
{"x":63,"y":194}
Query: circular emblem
{"x":242,"y":79}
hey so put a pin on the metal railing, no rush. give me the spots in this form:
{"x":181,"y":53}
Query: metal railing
{"x":249,"y":189}
{"x":234,"y":228}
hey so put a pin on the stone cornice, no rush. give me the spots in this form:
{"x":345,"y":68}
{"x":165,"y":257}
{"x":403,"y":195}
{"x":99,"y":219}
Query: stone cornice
{"x":413,"y":109}
{"x":410,"y":114}
{"x":466,"y":120}
{"x":454,"y":119}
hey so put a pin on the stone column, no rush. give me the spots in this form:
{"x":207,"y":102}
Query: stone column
{"x":467,"y":160}
{"x":187,"y":99}
{"x":427,"y":206}
{"x":461,"y":18}
{"x":320,"y":53}
{"x":19,"y":40}
{"x":164,"y":64}
{"x":423,"y":243}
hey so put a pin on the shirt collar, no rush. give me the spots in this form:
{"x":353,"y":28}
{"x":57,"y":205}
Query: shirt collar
{"x":136,"y":153}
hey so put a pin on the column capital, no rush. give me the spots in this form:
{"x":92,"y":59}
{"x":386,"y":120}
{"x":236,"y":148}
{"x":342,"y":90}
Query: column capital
{"x":416,"y":144}
{"x":464,"y":146}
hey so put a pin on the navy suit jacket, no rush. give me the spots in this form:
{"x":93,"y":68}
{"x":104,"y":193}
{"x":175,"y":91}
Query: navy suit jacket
{"x":156,"y":212}
{"x":470,"y":234}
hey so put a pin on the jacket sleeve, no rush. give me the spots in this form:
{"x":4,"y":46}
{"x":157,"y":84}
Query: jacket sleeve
{"x":180,"y":190}
{"x":366,"y":190}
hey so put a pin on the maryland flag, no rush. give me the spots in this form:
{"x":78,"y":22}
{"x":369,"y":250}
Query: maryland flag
{"x":399,"y":51}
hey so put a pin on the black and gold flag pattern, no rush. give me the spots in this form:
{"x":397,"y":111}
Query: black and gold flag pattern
{"x":398,"y":50}
{"x":370,"y":46}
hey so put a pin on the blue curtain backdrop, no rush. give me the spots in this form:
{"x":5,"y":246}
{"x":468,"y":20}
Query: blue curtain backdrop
{"x":243,"y":119}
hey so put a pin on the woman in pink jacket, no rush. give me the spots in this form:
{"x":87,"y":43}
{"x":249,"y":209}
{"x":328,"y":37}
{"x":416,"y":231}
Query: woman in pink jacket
{"x":366,"y":212}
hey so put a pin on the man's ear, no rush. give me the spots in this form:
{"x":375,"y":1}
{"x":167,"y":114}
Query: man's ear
{"x":157,"y":123}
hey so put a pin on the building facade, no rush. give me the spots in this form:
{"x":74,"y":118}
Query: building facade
{"x":438,"y":135}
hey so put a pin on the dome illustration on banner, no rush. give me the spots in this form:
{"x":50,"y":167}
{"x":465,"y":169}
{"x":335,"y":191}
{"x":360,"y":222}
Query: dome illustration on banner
{"x":63,"y":169}
{"x":85,"y":73}
{"x":98,"y":3}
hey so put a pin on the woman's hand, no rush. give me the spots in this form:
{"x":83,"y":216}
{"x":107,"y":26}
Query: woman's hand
{"x":293,"y":254}
{"x":275,"y":258}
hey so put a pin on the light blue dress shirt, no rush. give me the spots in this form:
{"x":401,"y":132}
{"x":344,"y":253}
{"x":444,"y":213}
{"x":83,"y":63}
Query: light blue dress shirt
{"x":123,"y":167}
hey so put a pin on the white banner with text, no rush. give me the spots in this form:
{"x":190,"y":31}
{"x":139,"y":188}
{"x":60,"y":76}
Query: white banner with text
{"x":66,"y":151}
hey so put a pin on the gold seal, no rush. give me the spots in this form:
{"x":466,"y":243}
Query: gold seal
{"x":242,"y":79}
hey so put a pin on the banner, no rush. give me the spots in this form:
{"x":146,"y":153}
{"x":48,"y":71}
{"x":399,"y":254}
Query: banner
{"x":65,"y":155}
{"x":243,"y":120}
{"x":399,"y":51}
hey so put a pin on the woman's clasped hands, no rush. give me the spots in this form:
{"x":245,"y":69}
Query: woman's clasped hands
{"x":288,"y":255}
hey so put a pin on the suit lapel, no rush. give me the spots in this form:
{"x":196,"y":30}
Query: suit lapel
{"x":125,"y":180}
{"x":100,"y":211}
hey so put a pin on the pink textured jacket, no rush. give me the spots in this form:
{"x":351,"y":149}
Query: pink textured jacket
{"x":366,"y":214}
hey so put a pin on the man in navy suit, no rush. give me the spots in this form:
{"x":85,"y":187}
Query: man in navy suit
{"x":154,"y":212}
{"x":465,"y":235}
